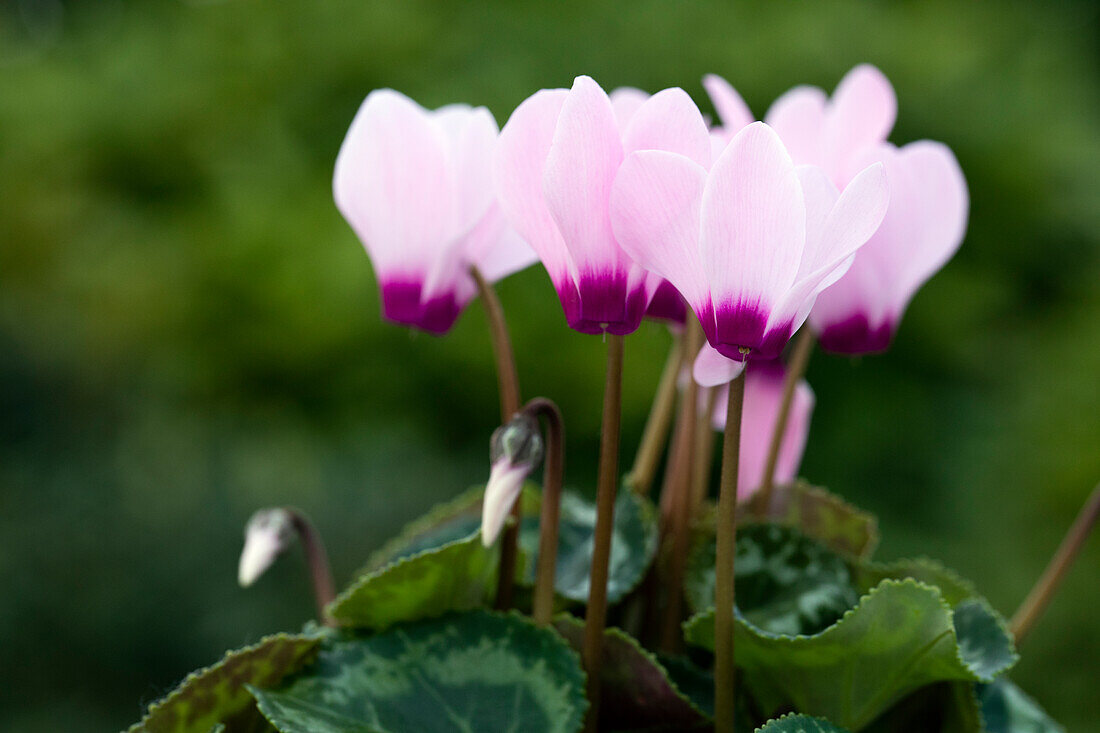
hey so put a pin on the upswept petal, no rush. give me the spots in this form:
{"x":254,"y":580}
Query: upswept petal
{"x":861,"y":113}
{"x":820,"y":196}
{"x":753,"y":221}
{"x":625,"y":101}
{"x":711,"y":369}
{"x":669,"y":120}
{"x":942,"y":207}
{"x":518,"y":166}
{"x":922,"y":229}
{"x":496,"y":248}
{"x":731,"y":108}
{"x":585,"y":154}
{"x":655,"y":213}
{"x":855,"y":216}
{"x":472,"y":137}
{"x":798,"y":116}
{"x":392,"y":184}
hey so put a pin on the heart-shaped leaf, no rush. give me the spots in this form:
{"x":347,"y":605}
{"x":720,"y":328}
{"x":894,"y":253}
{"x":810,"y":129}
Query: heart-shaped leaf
{"x":457,"y":576}
{"x":1006,"y":709}
{"x":217,"y":694}
{"x":636,"y":691}
{"x":633,"y":546}
{"x":787,"y":583}
{"x":902,"y":636}
{"x":799,"y":724}
{"x":475,"y":671}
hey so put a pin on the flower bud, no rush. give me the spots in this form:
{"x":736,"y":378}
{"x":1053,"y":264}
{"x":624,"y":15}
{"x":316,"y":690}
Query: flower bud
{"x":514,"y":451}
{"x":266,"y":536}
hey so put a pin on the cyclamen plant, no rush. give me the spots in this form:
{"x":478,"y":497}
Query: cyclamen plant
{"x":526,"y":608}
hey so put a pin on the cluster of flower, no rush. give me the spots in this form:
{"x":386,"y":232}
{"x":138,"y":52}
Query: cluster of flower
{"x":635,"y":206}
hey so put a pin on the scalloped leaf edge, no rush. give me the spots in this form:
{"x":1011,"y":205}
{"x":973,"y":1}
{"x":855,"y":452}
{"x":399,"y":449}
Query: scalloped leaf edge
{"x":332,"y":608}
{"x":806,"y":638}
{"x":796,"y":716}
{"x":314,"y":639}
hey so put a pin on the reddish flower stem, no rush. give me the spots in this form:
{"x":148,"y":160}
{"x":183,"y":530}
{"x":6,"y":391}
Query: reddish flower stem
{"x":724,"y":595}
{"x":1039,"y":597}
{"x":508,"y":381}
{"x":543,"y":604}
{"x":657,"y":424}
{"x":596,"y":614}
{"x":320,"y":573}
{"x":681,"y":473}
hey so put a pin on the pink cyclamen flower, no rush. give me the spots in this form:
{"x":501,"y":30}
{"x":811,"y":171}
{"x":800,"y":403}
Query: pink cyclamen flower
{"x":831,"y":132}
{"x":923,"y":228}
{"x":763,"y":397}
{"x":555,"y":163}
{"x":748,"y":244}
{"x":666,"y":304}
{"x":733,"y":113}
{"x":416,"y":186}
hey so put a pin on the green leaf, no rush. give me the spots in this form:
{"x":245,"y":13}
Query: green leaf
{"x":954,"y":588}
{"x":445,"y":523}
{"x":456,"y":576}
{"x":818,"y":514}
{"x":217,"y":694}
{"x":786,"y":582}
{"x":636,"y":692}
{"x":902,"y":636}
{"x":463,"y":673}
{"x":799,"y":724}
{"x":1006,"y":709}
{"x":633,"y":546}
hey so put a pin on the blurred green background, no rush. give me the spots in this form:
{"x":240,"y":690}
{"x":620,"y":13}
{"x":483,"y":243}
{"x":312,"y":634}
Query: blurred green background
{"x":189,"y":331}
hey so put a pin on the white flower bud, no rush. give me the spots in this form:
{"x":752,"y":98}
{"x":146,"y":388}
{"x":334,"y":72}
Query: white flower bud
{"x":515,"y":450}
{"x":266,"y":536}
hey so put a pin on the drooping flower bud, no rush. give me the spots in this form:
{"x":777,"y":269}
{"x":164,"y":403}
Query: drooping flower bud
{"x":514,"y":451}
{"x":266,"y":536}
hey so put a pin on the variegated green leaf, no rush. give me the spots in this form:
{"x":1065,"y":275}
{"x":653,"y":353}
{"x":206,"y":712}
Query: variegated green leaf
{"x":216,"y":695}
{"x":467,"y":672}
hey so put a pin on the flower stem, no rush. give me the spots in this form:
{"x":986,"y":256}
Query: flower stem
{"x":596,"y":613}
{"x":724,"y":598}
{"x":320,"y":573}
{"x":543,"y":604}
{"x":704,"y":451}
{"x":1039,"y":597}
{"x":800,"y":358}
{"x":679,"y":488}
{"x":508,"y":380}
{"x":657,"y":424}
{"x":507,"y":377}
